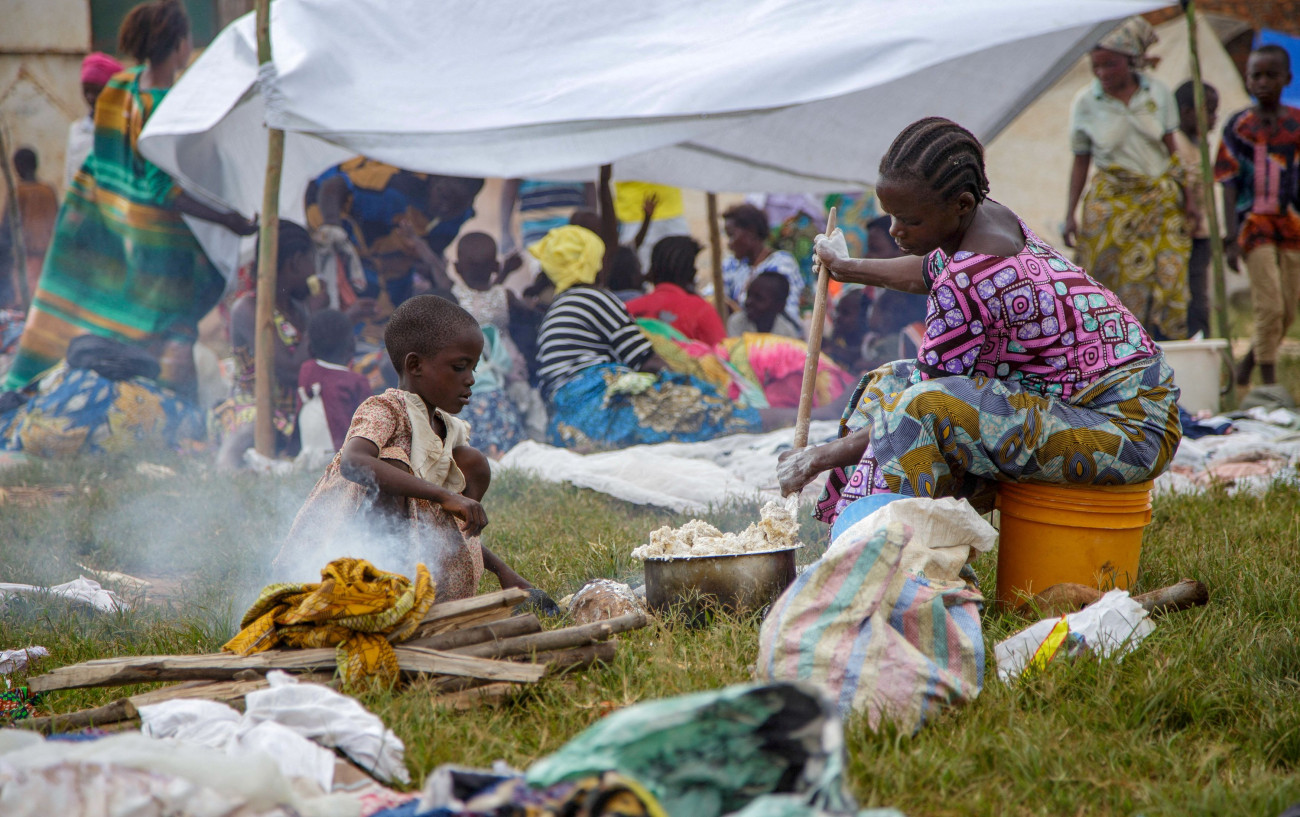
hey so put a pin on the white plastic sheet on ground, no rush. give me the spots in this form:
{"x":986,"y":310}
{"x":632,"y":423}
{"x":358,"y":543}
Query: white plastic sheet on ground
{"x":1263,"y":450}
{"x":684,"y":477}
{"x":290,"y":722}
{"x":1113,"y":625}
{"x":131,"y":775}
{"x":12,"y":661}
{"x":724,"y":95}
{"x":80,"y":590}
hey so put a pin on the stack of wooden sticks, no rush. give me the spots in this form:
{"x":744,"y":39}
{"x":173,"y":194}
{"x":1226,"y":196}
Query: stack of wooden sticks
{"x":469,"y":651}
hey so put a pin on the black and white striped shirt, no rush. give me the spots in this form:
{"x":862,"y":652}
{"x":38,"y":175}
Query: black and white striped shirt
{"x":585,"y":327}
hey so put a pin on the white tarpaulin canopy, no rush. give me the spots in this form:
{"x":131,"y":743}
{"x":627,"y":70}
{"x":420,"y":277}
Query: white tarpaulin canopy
{"x":775,"y":95}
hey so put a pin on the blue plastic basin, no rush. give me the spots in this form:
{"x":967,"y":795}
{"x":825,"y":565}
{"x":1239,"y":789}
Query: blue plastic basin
{"x":860,"y":509}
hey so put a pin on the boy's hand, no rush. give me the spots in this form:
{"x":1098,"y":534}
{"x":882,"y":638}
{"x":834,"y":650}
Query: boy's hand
{"x":1232,"y":256}
{"x":473,"y":519}
{"x":539,"y":602}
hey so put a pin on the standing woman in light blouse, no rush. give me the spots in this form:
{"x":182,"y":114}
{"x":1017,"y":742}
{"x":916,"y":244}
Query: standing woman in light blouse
{"x":1132,"y":234}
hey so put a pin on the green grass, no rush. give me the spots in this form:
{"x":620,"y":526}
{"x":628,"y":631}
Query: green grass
{"x":1203,"y":719}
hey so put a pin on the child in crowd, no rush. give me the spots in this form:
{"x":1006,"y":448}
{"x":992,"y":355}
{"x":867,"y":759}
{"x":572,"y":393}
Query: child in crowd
{"x":764,"y":308}
{"x":234,"y":419}
{"x":672,"y":269}
{"x":332,"y":344}
{"x":477,"y":283}
{"x":1187,"y":139}
{"x":848,"y":328}
{"x":406,"y":487}
{"x":626,"y":279}
{"x":895,"y":328}
{"x":1259,"y":169}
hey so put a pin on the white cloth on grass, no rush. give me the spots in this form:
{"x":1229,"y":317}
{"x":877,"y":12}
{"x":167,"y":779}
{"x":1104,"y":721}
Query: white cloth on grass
{"x":81,"y":590}
{"x":12,"y":661}
{"x":132,"y":775}
{"x":684,"y":477}
{"x":291,"y":721}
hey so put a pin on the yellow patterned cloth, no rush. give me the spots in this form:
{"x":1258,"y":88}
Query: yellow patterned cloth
{"x":1133,"y":239}
{"x":356,"y":608}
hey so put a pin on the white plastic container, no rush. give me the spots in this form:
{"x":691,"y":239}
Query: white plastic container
{"x":1198,"y":371}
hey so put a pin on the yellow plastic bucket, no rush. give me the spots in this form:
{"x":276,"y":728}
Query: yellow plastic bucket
{"x":1089,"y":535}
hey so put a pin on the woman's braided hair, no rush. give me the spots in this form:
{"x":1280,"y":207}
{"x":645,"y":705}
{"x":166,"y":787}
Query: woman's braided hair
{"x":672,"y":261}
{"x":940,"y":153}
{"x":152,"y":31}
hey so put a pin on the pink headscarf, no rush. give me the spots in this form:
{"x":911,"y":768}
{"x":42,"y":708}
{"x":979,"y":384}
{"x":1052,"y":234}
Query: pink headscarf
{"x":97,"y":68}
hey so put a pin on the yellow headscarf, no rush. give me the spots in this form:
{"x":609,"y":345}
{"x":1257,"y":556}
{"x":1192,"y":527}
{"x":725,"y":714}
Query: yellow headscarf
{"x":569,"y":256}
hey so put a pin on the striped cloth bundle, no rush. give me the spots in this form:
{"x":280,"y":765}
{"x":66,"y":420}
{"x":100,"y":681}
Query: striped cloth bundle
{"x":883,"y":620}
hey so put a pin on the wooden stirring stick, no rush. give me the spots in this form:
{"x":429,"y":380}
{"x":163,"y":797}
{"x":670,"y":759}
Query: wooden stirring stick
{"x":814,"y":346}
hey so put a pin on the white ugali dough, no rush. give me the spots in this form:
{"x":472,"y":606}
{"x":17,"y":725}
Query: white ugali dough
{"x":776,"y":529}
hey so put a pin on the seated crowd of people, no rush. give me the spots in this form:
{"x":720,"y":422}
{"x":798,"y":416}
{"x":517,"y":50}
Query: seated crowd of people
{"x":581,"y":346}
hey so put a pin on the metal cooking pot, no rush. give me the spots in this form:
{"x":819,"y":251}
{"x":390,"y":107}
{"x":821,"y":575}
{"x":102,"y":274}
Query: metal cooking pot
{"x":735,"y":583}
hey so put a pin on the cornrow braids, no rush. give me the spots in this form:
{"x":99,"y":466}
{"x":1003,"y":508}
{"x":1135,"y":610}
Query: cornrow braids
{"x":940,"y":153}
{"x":672,"y":261}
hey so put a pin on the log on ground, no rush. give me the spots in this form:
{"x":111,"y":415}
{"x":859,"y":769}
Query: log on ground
{"x":563,"y":639}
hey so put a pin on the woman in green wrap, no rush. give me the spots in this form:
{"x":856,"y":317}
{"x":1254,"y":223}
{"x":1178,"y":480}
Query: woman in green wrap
{"x":123,"y":264}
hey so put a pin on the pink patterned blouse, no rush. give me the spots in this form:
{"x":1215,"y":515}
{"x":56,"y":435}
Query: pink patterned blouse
{"x":1034,"y":318}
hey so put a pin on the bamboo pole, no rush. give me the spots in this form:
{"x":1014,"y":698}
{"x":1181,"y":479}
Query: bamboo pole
{"x":17,"y":245}
{"x":715,"y":256}
{"x":269,"y":245}
{"x":1207,"y":176}
{"x":814,"y":346}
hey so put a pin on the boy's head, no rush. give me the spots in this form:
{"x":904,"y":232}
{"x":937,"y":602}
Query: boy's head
{"x":765,"y":298}
{"x":25,"y":164}
{"x":476,"y":260}
{"x":434,"y":346}
{"x":672,"y":261}
{"x":1186,"y":98}
{"x":330,"y":338}
{"x":1268,"y":72}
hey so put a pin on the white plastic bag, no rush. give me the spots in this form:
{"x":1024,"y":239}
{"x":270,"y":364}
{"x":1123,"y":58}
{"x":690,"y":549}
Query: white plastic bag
{"x":1113,"y":625}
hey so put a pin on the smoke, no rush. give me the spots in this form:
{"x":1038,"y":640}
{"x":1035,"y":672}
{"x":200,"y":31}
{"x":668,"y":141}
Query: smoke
{"x":222,"y":538}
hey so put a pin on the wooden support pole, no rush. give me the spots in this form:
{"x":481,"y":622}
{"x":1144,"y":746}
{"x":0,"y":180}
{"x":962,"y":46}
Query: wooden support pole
{"x":17,"y":245}
{"x":268,"y":249}
{"x":1207,"y":177}
{"x":804,"y":414}
{"x":715,"y":256}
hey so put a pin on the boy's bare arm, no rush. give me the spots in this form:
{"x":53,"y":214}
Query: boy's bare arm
{"x":361,"y":464}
